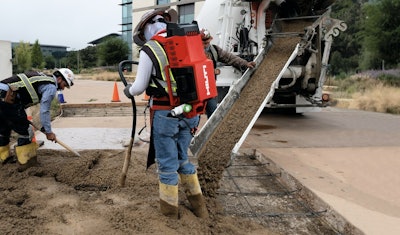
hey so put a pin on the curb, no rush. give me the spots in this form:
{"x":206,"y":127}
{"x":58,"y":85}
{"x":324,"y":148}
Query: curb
{"x":100,"y":109}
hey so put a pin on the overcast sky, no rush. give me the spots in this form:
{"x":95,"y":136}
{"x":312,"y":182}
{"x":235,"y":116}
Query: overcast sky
{"x":70,"y":23}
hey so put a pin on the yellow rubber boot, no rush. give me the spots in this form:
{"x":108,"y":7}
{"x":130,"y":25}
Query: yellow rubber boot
{"x":26,"y":155}
{"x":4,"y":153}
{"x":169,"y":200}
{"x":193,"y":193}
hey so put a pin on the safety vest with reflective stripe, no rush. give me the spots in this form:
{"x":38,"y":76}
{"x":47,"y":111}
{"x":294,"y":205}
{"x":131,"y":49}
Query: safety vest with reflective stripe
{"x":30,"y":85}
{"x":160,"y":61}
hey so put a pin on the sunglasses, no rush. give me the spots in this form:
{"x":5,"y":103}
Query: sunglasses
{"x":162,"y":20}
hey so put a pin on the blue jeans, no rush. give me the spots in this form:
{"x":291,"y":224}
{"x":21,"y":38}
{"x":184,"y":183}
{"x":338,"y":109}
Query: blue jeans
{"x":172,"y":137}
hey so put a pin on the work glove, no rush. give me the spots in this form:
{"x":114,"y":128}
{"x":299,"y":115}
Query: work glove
{"x":126,"y":91}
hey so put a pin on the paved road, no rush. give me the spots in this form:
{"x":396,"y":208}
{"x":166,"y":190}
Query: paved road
{"x":348,"y":158}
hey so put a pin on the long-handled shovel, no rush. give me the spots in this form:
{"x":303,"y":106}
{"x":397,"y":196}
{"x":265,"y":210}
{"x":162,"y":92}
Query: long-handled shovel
{"x":58,"y":142}
{"x":129,"y":150}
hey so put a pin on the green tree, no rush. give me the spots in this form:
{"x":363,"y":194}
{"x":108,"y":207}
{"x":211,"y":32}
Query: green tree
{"x":346,"y":48}
{"x":88,"y":57}
{"x":85,"y":58}
{"x":59,"y":56}
{"x":112,"y":51}
{"x":22,"y":59}
{"x":50,"y":61}
{"x":381,"y":34}
{"x":37,"y":56}
{"x":72,"y":60}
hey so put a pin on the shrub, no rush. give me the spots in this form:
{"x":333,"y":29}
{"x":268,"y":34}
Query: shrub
{"x":372,"y":90}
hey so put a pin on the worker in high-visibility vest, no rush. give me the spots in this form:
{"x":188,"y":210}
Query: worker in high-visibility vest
{"x":18,"y":93}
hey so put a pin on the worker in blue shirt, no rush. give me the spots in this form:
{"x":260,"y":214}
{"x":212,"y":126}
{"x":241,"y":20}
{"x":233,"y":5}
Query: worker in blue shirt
{"x":18,"y":93}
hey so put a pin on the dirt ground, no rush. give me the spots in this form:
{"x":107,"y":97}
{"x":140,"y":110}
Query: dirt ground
{"x":66,"y":194}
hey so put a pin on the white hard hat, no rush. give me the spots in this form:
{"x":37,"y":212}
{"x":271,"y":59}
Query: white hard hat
{"x":138,"y":33}
{"x":205,"y":35}
{"x":67,"y":74}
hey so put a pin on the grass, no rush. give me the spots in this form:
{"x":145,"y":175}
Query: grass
{"x":102,"y":75}
{"x":381,"y":99}
{"x":370,"y":91}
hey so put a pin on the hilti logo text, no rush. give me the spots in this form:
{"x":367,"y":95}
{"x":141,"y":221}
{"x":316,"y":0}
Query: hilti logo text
{"x":206,"y":79}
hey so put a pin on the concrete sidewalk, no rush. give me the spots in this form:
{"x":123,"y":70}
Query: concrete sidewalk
{"x":90,"y":92}
{"x":102,"y":132}
{"x":89,"y":133}
{"x":82,"y":133}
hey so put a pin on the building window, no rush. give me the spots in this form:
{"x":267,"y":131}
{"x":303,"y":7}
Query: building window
{"x":127,"y":24}
{"x":161,"y":2}
{"x":186,"y":13}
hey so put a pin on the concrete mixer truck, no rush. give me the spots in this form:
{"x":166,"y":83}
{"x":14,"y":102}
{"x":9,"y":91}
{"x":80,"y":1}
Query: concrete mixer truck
{"x":290,"y":41}
{"x":249,"y":28}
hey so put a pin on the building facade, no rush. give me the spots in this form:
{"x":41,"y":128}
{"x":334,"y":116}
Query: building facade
{"x":5,"y":59}
{"x":54,"y":50}
{"x":127,"y":24}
